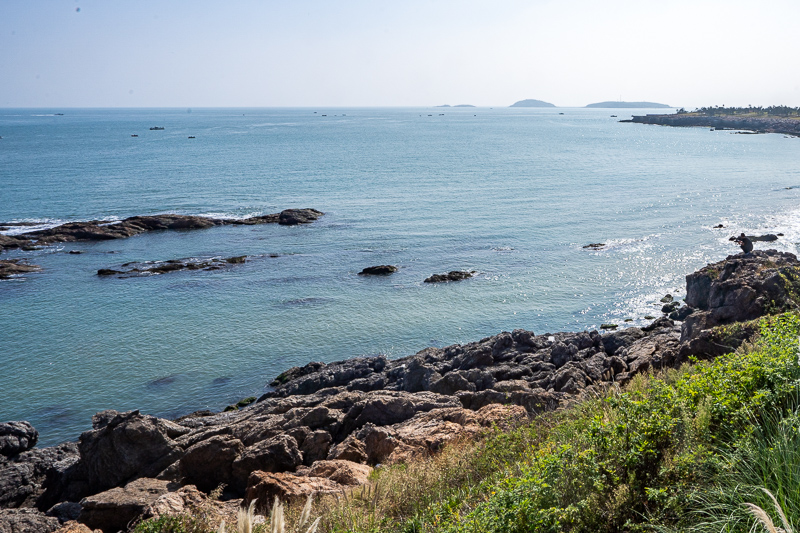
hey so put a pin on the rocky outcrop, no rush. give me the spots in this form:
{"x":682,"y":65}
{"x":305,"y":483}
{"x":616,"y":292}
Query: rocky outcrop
{"x":11,"y":242}
{"x":122,"y":447}
{"x":453,"y":275}
{"x":739,"y":289}
{"x":322,"y":426}
{"x":786,"y":126}
{"x":98,"y":230}
{"x":173,"y":265}
{"x":15,"y":267}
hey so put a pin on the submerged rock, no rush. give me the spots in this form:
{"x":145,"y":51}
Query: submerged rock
{"x":171,"y":265}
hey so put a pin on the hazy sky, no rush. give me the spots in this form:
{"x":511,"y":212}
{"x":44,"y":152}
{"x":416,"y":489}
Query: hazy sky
{"x":176,"y":53}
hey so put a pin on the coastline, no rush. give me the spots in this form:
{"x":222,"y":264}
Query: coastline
{"x":785,"y":126}
{"x":322,"y":418}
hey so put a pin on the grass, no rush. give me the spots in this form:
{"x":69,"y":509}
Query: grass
{"x":682,"y":450}
{"x":635,"y":460}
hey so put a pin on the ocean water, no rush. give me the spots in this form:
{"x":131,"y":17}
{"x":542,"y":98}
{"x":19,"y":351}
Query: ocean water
{"x":513,"y":194}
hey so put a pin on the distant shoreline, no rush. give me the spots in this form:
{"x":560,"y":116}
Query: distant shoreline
{"x":770,"y":124}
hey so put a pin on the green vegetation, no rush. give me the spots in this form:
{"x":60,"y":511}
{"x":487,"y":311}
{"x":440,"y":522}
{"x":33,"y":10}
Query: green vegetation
{"x":670,"y":452}
{"x":683,"y":450}
{"x":749,"y":111}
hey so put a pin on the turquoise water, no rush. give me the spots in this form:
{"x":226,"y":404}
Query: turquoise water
{"x":511,"y":193}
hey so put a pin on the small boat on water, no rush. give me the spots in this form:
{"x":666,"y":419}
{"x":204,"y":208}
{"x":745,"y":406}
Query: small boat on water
{"x":156,"y":128}
{"x":134,"y":135}
{"x":191,"y":136}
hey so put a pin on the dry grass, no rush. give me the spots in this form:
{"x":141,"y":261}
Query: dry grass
{"x":765,"y":520}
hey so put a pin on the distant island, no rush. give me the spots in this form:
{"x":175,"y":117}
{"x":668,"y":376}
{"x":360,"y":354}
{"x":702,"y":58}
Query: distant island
{"x":459,"y":105}
{"x":618,"y":105}
{"x":531,"y":103}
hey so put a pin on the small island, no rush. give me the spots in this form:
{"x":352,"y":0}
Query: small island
{"x":532,"y":103}
{"x":629,"y":105}
{"x":772,"y":119}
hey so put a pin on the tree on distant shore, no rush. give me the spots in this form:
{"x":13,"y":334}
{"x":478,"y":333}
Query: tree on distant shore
{"x":775,"y":110}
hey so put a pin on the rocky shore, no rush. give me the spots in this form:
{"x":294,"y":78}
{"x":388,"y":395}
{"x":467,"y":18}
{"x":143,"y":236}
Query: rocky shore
{"x":97,"y":230}
{"x":324,"y":427}
{"x":787,"y":126}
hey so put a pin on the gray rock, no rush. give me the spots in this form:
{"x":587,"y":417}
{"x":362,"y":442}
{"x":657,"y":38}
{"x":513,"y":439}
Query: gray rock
{"x":278,"y":454}
{"x":23,"y":477}
{"x":115,"y":509}
{"x":26,"y":521}
{"x":65,"y":511}
{"x":209,"y":463}
{"x":17,"y":437}
{"x":292,"y":217}
{"x":379,"y":270}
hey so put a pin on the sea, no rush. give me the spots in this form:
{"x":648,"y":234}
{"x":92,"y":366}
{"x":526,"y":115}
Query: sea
{"x":514,"y":194}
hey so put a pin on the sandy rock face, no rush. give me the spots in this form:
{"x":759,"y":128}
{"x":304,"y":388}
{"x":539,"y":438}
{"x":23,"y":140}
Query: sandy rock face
{"x":264,"y":486}
{"x":342,"y":472}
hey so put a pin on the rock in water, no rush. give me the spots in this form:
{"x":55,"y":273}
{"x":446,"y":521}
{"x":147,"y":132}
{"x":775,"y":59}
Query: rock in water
{"x":380,"y":270}
{"x":291,"y":217}
{"x":12,"y":267}
{"x":453,"y":275}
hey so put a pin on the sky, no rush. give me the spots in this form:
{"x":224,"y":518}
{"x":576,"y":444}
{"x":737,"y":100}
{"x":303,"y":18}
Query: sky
{"x":310,"y":53}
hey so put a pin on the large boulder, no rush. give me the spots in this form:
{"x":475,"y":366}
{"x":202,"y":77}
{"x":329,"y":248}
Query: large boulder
{"x":209,"y":463}
{"x":278,"y":454}
{"x":17,"y":437}
{"x":114,"y":510}
{"x":292,"y":217}
{"x":121,"y":448}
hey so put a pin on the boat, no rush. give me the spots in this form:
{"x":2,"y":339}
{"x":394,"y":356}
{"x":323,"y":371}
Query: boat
{"x":134,"y":135}
{"x":191,"y":136}
{"x":156,"y":128}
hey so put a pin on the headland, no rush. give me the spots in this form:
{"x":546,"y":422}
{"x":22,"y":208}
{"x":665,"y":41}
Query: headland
{"x":787,"y":123}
